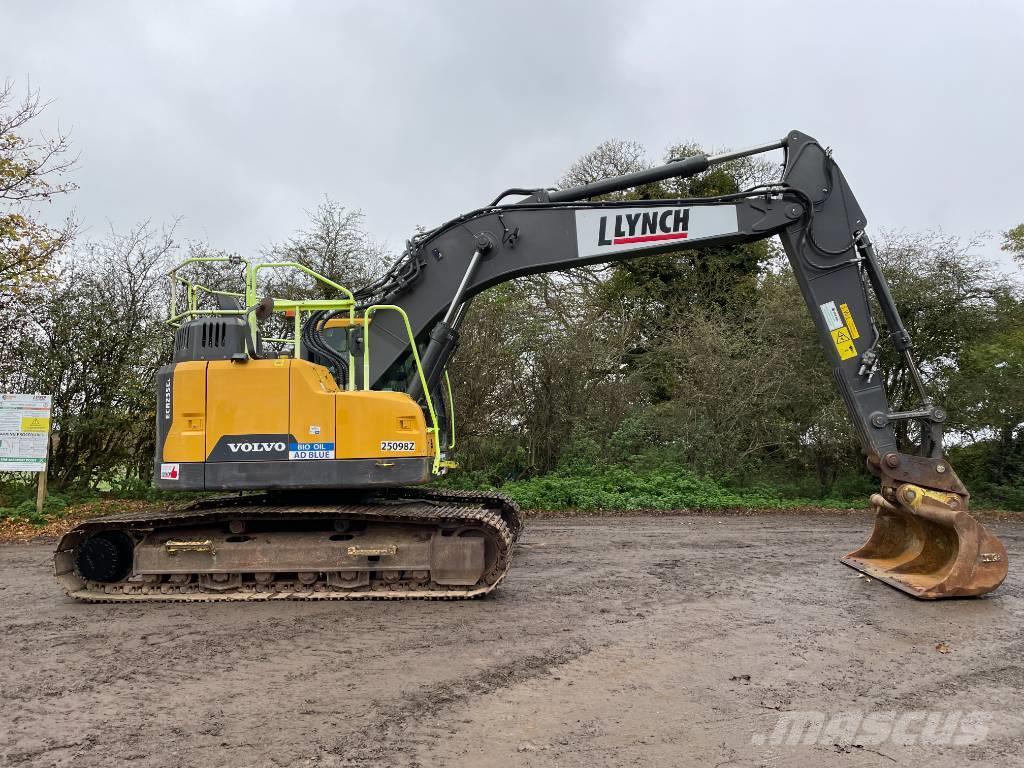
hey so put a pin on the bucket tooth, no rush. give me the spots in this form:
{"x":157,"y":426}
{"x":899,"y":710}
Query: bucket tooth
{"x":926,"y":545}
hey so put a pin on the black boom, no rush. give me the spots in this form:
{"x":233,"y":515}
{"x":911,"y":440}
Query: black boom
{"x":811,"y":208}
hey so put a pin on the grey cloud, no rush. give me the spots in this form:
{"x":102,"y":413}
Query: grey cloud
{"x":238,"y":116}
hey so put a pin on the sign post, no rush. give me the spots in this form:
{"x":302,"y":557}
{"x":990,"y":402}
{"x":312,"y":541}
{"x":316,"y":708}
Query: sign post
{"x":25,"y":438}
{"x":40,"y":492}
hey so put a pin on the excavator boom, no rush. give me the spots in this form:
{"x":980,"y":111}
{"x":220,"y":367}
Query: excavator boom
{"x":924,"y":542}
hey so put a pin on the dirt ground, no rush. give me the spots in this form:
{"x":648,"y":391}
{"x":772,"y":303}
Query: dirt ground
{"x":615,"y":641}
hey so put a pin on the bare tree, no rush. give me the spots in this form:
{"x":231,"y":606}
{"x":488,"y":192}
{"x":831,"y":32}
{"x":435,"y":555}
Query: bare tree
{"x":334,"y":245}
{"x":614,"y":157}
{"x":32,"y":171}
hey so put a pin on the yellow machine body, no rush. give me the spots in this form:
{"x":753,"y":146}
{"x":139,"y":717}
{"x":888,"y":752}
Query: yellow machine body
{"x":283,"y":423}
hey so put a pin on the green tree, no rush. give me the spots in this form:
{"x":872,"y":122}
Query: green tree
{"x":1013,"y":242}
{"x":660,"y":292}
{"x":94,"y":341}
{"x":987,"y":395}
{"x":575,"y":353}
{"x":947,"y":297}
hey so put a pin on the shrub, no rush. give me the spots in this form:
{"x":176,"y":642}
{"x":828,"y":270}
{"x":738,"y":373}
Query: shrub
{"x":632,"y":488}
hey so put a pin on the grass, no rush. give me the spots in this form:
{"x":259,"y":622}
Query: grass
{"x":577,"y":488}
{"x":19,"y":520}
{"x":624,"y":488}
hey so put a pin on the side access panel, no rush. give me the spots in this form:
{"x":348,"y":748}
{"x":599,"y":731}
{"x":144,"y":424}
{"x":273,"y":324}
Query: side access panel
{"x":381,"y":426}
{"x":248,"y":406}
{"x":311,"y":415}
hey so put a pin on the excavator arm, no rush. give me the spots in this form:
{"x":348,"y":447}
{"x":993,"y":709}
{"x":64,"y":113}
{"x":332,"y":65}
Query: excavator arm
{"x":924,"y":542}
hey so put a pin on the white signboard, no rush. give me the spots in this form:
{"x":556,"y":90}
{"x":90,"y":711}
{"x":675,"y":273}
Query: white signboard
{"x":24,"y":432}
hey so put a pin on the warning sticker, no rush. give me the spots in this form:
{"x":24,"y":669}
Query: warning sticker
{"x":35,"y":424}
{"x":833,"y":319}
{"x":848,"y":317}
{"x":844,"y":343}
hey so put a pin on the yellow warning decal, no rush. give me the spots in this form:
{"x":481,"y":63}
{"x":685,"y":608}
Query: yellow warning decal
{"x":35,"y":424}
{"x":844,"y":343}
{"x":848,"y":317}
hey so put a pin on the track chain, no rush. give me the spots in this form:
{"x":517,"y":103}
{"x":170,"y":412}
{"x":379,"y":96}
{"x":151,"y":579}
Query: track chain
{"x":495,"y":514}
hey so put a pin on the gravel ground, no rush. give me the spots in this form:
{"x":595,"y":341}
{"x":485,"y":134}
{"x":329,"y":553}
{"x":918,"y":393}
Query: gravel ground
{"x":614,"y":641}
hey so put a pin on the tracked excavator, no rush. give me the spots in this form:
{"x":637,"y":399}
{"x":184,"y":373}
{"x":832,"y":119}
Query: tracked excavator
{"x":323,"y":446}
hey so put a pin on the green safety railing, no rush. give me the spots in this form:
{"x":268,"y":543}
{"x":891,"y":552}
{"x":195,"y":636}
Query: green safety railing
{"x":250,"y":298}
{"x":192,"y":290}
{"x":370,"y":311}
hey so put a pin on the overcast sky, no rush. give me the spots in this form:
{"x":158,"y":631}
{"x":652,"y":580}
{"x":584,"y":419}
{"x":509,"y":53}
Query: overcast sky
{"x":239,"y":116}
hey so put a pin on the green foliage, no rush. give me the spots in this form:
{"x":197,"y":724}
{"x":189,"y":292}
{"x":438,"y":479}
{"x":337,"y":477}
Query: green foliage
{"x":18,"y":503}
{"x":94,"y":341}
{"x":637,"y":486}
{"x":1013,"y":242}
{"x":18,"y":499}
{"x":993,"y":470}
{"x":587,"y":482}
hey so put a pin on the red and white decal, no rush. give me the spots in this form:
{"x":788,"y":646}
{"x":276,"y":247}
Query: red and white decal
{"x":169,"y":472}
{"x":601,"y":231}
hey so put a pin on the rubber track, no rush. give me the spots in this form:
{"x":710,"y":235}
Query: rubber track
{"x":495,"y":513}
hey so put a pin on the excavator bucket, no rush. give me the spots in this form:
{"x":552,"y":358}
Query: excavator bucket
{"x":925,"y":545}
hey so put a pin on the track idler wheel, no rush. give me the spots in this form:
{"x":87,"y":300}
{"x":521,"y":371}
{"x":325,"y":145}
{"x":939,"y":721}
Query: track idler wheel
{"x":926,"y":545}
{"x":105,"y":557}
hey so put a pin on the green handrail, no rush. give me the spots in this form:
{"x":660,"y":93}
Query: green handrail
{"x":419,"y":370}
{"x":250,"y":297}
{"x":302,"y":268}
{"x":310,"y":305}
{"x":192,"y":288}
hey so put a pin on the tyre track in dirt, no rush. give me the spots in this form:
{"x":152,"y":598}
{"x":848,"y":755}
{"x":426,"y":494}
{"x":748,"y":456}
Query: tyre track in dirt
{"x":667,"y":640}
